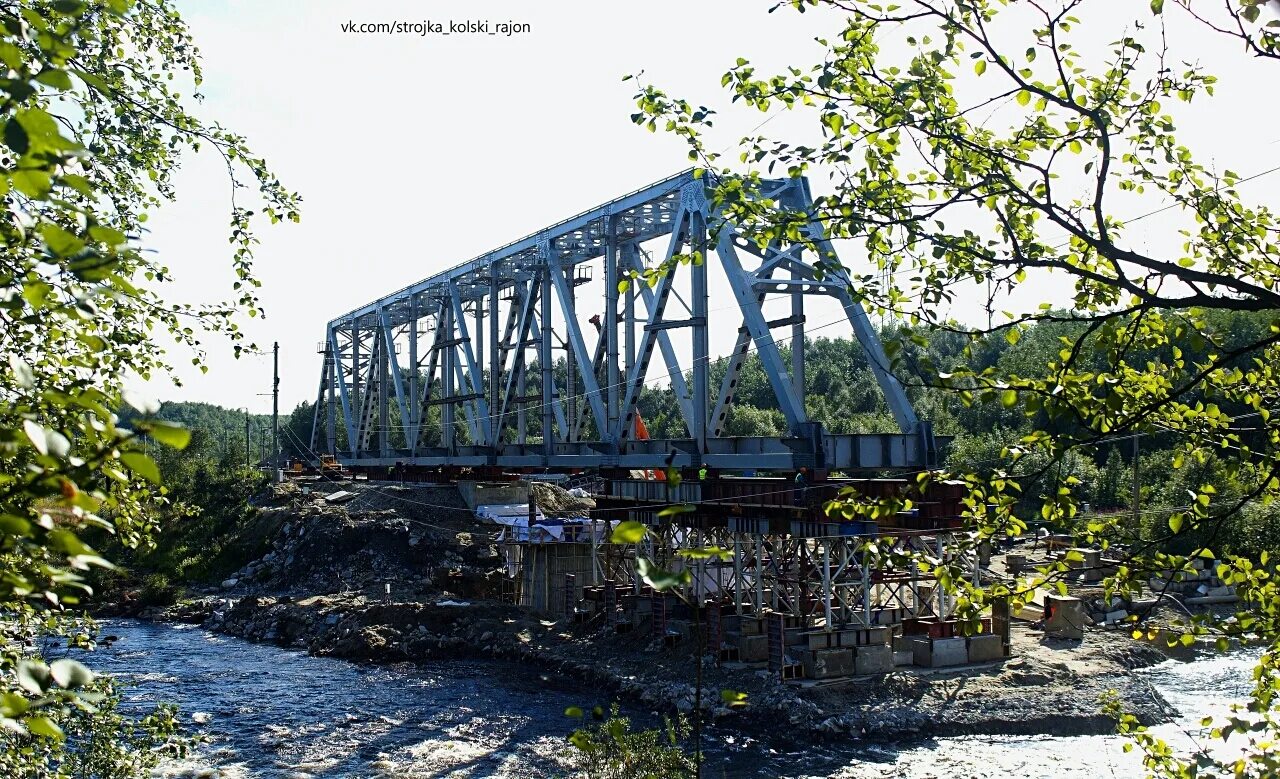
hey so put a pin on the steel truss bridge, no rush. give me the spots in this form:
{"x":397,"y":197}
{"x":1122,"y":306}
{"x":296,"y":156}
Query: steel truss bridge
{"x":460,"y":369}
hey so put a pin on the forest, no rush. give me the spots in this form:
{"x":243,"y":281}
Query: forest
{"x":841,"y":393}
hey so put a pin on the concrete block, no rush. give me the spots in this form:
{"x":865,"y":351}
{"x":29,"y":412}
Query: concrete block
{"x":902,"y":643}
{"x":818,"y":639}
{"x":1116,"y":616}
{"x":827,"y":663}
{"x":877,"y":659}
{"x":872,"y":636}
{"x":940,"y":652}
{"x":984,"y":649}
{"x":887,"y":616}
{"x":903,"y":657}
{"x":753,"y":649}
{"x":1067,"y":617}
{"x":747,"y":626}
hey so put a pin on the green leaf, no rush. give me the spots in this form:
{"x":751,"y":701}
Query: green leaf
{"x":43,"y":726}
{"x":58,"y":79}
{"x":1157,"y":6}
{"x":628,"y":532}
{"x":623,"y":286}
{"x":575,"y":712}
{"x":70,"y":674}
{"x":60,"y":241}
{"x":31,"y":182}
{"x":13,"y":705}
{"x":1009,"y":398}
{"x":658,"y":578}
{"x":33,"y":676}
{"x":1024,"y":97}
{"x":142,"y":465}
{"x":14,"y":526}
{"x":582,"y":741}
{"x":169,"y":434}
{"x":671,"y":511}
{"x":1175,"y":522}
{"x":980,"y":67}
{"x":107,"y":235}
{"x":15,"y":137}
{"x":36,"y":434}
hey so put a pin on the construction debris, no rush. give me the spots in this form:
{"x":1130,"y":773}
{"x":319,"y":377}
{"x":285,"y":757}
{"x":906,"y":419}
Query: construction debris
{"x":558,"y":502}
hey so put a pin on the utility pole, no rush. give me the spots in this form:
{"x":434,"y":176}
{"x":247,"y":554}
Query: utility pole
{"x":275,"y":404}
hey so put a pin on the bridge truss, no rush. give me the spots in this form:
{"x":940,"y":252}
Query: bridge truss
{"x":489,"y":363}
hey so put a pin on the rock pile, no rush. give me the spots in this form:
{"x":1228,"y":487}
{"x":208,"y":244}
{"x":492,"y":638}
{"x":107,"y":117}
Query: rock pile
{"x":322,"y":548}
{"x":558,"y":502}
{"x":1200,"y":586}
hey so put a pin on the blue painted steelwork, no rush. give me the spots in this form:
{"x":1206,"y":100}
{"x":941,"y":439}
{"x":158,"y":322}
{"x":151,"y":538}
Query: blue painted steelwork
{"x":585,"y":414}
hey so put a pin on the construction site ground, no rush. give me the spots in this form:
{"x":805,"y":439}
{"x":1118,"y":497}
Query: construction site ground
{"x":406,"y":574}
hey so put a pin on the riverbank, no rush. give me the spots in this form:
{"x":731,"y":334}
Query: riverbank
{"x":1047,"y":687}
{"x":398,"y":574}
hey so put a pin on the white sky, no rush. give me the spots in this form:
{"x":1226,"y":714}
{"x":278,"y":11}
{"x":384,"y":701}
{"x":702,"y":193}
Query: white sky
{"x":415,"y":153}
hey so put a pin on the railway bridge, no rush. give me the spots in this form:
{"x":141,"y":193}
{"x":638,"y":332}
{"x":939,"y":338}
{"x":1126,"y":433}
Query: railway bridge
{"x":460,"y":369}
{"x":460,"y":376}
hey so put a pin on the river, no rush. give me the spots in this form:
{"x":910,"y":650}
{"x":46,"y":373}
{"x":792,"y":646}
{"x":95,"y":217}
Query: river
{"x":270,"y":712}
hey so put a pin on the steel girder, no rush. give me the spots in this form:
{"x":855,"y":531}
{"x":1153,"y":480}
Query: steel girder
{"x":516,"y":306}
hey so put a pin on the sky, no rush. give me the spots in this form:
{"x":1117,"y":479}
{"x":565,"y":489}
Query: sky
{"x":414,"y":153}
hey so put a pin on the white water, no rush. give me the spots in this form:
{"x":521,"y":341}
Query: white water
{"x":269,"y":712}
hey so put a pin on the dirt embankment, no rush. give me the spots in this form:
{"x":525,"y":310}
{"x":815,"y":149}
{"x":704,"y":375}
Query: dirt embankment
{"x":324,"y":587}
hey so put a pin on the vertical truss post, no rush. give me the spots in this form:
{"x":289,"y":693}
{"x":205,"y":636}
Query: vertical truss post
{"x":331,"y":408}
{"x":758,"y":570}
{"x":826,"y":582}
{"x":701,"y":342}
{"x":575,"y":415}
{"x":629,"y":258}
{"x":384,"y":415}
{"x":357,"y":394}
{"x":495,"y":359}
{"x":610,"y":333}
{"x":413,"y":408}
{"x":544,"y":354}
{"x":448,"y":379}
{"x":482,"y":387}
{"x":737,"y":574}
{"x":797,"y":334}
{"x":942,"y":596}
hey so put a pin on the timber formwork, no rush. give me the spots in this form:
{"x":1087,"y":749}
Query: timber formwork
{"x":489,"y":365}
